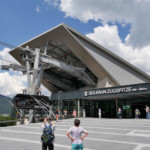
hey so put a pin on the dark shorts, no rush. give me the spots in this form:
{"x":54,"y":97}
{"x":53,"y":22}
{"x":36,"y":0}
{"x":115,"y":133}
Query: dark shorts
{"x":50,"y":146}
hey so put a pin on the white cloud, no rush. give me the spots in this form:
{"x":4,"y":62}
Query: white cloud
{"x":107,"y":36}
{"x":11,"y":84}
{"x":4,"y":54}
{"x":37,"y":9}
{"x":12,"y":81}
{"x":52,"y":2}
{"x":56,"y":2}
{"x":134,"y":12}
{"x":47,"y":2}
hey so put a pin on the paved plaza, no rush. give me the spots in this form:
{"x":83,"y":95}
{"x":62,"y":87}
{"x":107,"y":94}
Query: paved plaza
{"x":104,"y":134}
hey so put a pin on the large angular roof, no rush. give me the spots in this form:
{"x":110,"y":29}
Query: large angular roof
{"x":71,"y":47}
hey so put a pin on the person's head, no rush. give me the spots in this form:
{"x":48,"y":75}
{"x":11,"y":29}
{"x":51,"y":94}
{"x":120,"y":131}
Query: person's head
{"x":77,"y":122}
{"x":48,"y":118}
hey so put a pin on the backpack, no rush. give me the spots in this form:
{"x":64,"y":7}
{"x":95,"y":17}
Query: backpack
{"x":47,"y":136}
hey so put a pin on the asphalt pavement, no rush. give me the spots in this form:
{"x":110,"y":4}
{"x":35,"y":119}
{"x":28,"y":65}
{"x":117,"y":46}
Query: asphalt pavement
{"x":104,"y":134}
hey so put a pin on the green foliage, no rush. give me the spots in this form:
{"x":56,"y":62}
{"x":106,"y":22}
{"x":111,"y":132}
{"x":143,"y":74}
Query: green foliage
{"x":7,"y":118}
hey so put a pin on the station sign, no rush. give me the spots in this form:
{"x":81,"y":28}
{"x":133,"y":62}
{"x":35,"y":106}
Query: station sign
{"x":115,"y":90}
{"x":104,"y":92}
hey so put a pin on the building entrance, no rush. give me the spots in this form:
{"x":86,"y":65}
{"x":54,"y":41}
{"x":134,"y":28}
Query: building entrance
{"x":90,"y":108}
{"x":108,"y":108}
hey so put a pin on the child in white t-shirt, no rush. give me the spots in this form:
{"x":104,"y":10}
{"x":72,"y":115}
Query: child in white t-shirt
{"x":76,"y":135}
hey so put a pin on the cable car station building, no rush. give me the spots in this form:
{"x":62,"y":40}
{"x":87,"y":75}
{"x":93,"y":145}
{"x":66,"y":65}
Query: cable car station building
{"x":82,"y":74}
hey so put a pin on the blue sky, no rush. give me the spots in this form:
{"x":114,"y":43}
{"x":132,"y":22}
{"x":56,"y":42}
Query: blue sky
{"x":20,"y":21}
{"x":116,"y":25}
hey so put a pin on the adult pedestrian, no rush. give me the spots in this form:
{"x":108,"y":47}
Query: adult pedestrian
{"x":137,"y":113}
{"x":57,"y":114}
{"x":65,"y":113}
{"x":76,"y":135}
{"x":48,"y":137}
{"x":147,"y":111}
{"x":99,"y":113}
{"x":84,"y":113}
{"x":39,"y":90}
{"x":74,"y":113}
{"x":119,"y":113}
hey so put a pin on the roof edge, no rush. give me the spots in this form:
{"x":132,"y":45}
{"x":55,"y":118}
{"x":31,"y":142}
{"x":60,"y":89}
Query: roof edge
{"x":62,"y":24}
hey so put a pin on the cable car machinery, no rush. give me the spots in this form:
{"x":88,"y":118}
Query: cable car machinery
{"x":34,"y":62}
{"x":29,"y":100}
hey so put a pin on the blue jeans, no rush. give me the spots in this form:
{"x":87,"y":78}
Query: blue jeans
{"x":119,"y":116}
{"x":147,"y":115}
{"x":77,"y":146}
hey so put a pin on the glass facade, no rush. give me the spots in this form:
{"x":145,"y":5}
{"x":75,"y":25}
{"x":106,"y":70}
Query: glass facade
{"x":129,"y":112}
{"x":109,"y":107}
{"x":69,"y":105}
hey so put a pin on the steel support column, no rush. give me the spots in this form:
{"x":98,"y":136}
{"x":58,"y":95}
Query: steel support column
{"x":116,"y":106}
{"x":78,"y":107}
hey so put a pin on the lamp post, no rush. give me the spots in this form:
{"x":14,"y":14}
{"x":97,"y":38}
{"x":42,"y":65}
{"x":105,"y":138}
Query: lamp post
{"x":59,"y":99}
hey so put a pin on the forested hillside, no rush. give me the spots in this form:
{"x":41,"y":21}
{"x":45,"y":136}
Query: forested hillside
{"x":5,"y":106}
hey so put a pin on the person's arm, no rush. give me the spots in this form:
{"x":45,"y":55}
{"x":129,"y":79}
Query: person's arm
{"x":86,"y":133}
{"x":44,"y":121}
{"x":68,"y":134}
{"x":53,"y":126}
{"x":52,"y":122}
{"x":43,"y":124}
